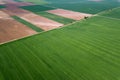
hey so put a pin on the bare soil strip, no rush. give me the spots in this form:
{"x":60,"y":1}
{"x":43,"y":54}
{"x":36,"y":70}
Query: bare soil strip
{"x":12,"y":2}
{"x":69,"y":14}
{"x":14,"y":11}
{"x":39,"y":21}
{"x":4,"y":15}
{"x":11,"y":29}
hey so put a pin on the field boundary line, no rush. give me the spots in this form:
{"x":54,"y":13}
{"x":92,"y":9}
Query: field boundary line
{"x":108,"y":17}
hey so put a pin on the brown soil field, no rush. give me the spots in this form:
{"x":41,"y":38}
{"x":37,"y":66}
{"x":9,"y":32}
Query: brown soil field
{"x":19,"y":3}
{"x":11,"y":29}
{"x":9,"y":1}
{"x":14,"y":11}
{"x":69,"y":14}
{"x":22,"y":4}
{"x":39,"y":21}
{"x":4,"y":15}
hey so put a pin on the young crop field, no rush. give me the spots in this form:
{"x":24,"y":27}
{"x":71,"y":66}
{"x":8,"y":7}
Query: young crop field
{"x":86,"y":50}
{"x":55,"y":17}
{"x":35,"y":1}
{"x":113,"y":13}
{"x":86,"y":6}
{"x":2,"y":6}
{"x":37,"y":8}
{"x":27,"y":24}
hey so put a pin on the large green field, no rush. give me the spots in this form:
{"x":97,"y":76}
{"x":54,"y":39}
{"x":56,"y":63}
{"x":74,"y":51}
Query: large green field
{"x":37,"y":8}
{"x":87,"y":6}
{"x":113,"y":13}
{"x":86,"y":50}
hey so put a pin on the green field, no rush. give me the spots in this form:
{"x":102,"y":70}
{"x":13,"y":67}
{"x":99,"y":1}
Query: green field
{"x":56,"y":18}
{"x":37,"y":8}
{"x":86,"y":50}
{"x":2,"y":6}
{"x":41,"y":2}
{"x":27,"y":24}
{"x":113,"y":13}
{"x":86,"y":6}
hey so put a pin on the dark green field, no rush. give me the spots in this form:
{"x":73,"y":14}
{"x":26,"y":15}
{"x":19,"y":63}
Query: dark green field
{"x":87,"y":6}
{"x":2,"y":6}
{"x":27,"y":24}
{"x":37,"y":8}
{"x":86,"y":50}
{"x":113,"y":13}
{"x":35,"y":1}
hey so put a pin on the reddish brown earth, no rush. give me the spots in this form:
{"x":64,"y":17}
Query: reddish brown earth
{"x":69,"y":14}
{"x":11,"y":29}
{"x":41,"y":22}
{"x":14,"y":11}
{"x":4,"y":15}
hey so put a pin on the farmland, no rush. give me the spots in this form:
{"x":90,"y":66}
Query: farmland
{"x":37,"y":8}
{"x":27,"y":24}
{"x":86,"y":50}
{"x":86,"y":6}
{"x":42,"y":11}
{"x":43,"y":43}
{"x":56,"y":18}
{"x":113,"y":13}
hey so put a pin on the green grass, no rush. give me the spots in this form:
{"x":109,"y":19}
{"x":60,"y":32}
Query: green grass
{"x":85,"y":6}
{"x":87,"y":50}
{"x":41,"y":2}
{"x":114,"y":13}
{"x":56,"y":18}
{"x":2,"y":6}
{"x":37,"y":8}
{"x":27,"y":24}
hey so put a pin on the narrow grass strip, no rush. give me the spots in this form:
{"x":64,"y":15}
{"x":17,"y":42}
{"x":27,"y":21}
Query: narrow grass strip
{"x":55,"y":17}
{"x":27,"y":24}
